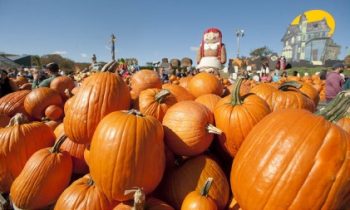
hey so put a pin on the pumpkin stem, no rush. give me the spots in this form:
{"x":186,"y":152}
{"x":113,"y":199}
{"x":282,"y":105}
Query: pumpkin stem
{"x":58,"y":143}
{"x":18,"y":119}
{"x":212,"y":129}
{"x":207,"y":185}
{"x":3,"y":201}
{"x":236,"y":98}
{"x":135,"y":112}
{"x":293,"y":84}
{"x":90,"y":182}
{"x":337,"y":108}
{"x":161,"y":95}
{"x":139,"y":198}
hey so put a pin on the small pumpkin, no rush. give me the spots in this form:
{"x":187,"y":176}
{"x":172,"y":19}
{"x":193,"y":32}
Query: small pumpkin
{"x":156,"y":102}
{"x":188,"y":128}
{"x":344,"y":123}
{"x":141,"y":203}
{"x":39,"y":99}
{"x":133,"y":153}
{"x":200,"y":201}
{"x":33,"y":188}
{"x":18,"y":142}
{"x":83,"y":194}
{"x":204,"y":83}
{"x":184,"y":81}
{"x":54,"y":112}
{"x":61,"y":84}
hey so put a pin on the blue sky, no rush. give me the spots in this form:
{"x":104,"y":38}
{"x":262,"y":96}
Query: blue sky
{"x":152,"y":29}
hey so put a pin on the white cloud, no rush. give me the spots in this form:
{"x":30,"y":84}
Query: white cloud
{"x":60,"y":52}
{"x":194,"y":48}
{"x":83,"y":55}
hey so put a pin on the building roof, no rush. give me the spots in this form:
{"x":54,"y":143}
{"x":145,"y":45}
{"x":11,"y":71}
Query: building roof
{"x":7,"y":63}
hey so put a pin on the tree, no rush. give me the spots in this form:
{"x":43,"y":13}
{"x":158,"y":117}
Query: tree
{"x":261,"y":52}
{"x":347,"y":61}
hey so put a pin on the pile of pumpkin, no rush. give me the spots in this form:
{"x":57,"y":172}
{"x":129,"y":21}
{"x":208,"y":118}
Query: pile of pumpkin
{"x":167,"y":146}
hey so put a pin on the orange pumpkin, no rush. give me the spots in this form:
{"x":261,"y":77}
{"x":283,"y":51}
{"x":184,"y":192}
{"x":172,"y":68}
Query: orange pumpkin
{"x":200,"y":201}
{"x":188,"y":128}
{"x":61,"y":84}
{"x":344,"y":123}
{"x":156,"y":102}
{"x":204,"y":83}
{"x":39,"y":99}
{"x":100,"y":94}
{"x":17,"y":143}
{"x":133,"y":154}
{"x":184,"y":81}
{"x":54,"y":112}
{"x":13,"y":103}
{"x":143,"y":80}
{"x":209,"y":100}
{"x":52,"y":124}
{"x":20,"y":80}
{"x":236,"y":116}
{"x":191,"y":176}
{"x":33,"y":189}
{"x":141,"y":203}
{"x":293,"y":159}
{"x":83,"y":194}
{"x":180,"y":93}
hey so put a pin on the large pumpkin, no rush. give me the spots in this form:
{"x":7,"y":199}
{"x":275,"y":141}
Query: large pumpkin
{"x":209,"y":100}
{"x":236,"y":116}
{"x":184,"y":81}
{"x":4,"y":120}
{"x":180,"y":93}
{"x":131,"y":148}
{"x":310,"y":92}
{"x":61,"y":84}
{"x":188,"y":128}
{"x":39,"y":99}
{"x":44,"y":177}
{"x":344,"y":123}
{"x":13,"y":103}
{"x":156,"y":102}
{"x":100,"y":94}
{"x":143,"y":80}
{"x":293,"y":159}
{"x":204,"y":83}
{"x":191,"y":176}
{"x":17,"y":143}
{"x":83,"y":194}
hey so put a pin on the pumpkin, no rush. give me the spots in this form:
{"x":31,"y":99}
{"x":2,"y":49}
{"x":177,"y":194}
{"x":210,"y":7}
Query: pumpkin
{"x":310,"y":92}
{"x":287,"y":96}
{"x":143,"y":80}
{"x":27,"y":86}
{"x":39,"y":99}
{"x":293,"y":159}
{"x":191,"y":176}
{"x":83,"y":194}
{"x":200,"y":201}
{"x":209,"y":100}
{"x":234,"y":205}
{"x":184,"y":81}
{"x":87,"y":155}
{"x":133,"y":153}
{"x":204,"y":83}
{"x":188,"y":128}
{"x":100,"y":94}
{"x":20,"y":80}
{"x":52,"y":124}
{"x":155,"y":102}
{"x":344,"y":123}
{"x":18,"y":142}
{"x":180,"y":93}
{"x":141,"y":203}
{"x":54,"y":112}
{"x":75,"y":150}
{"x":33,"y":188}
{"x":4,"y":120}
{"x":61,"y":84}
{"x":236,"y":116}
{"x":13,"y":103}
